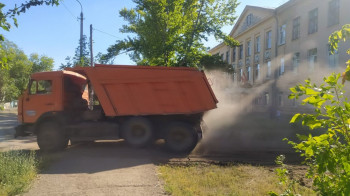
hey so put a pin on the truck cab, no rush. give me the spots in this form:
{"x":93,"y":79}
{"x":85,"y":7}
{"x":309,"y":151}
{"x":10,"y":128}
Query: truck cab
{"x":49,"y":93}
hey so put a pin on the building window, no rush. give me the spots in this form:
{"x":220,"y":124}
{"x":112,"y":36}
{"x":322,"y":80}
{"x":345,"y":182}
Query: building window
{"x":266,"y":98}
{"x":249,"y":51}
{"x":296,"y":28}
{"x":281,"y":69}
{"x":296,"y":62}
{"x":222,"y":57}
{"x":256,"y":101}
{"x":234,"y":74}
{"x":248,"y":73}
{"x":333,"y":12}
{"x":282,"y":34}
{"x":268,"y":39}
{"x":257,"y":72}
{"x":333,"y":58}
{"x":312,"y":58}
{"x":268,"y":73}
{"x":313,"y":21}
{"x":257,"y":44}
{"x":227,"y":56}
{"x":240,"y":75}
{"x":249,"y":19}
{"x":259,"y":100}
{"x":240,"y":56}
{"x":280,"y":99}
{"x":234,"y":55}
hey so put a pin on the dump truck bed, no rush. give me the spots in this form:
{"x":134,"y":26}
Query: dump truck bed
{"x":144,"y":90}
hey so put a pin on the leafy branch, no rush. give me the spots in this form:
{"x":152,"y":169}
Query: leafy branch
{"x":326,"y":152}
{"x":12,"y":14}
{"x":171,"y":32}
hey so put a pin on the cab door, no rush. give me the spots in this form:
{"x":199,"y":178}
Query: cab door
{"x":39,"y":99}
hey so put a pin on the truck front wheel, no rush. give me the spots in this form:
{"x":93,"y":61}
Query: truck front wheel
{"x":138,"y":131}
{"x":180,"y":137}
{"x":51,"y":138}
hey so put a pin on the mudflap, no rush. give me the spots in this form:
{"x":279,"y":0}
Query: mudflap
{"x":23,"y":130}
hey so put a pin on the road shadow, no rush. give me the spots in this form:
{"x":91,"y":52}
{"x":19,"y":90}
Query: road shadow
{"x":94,"y":157}
{"x":103,"y":156}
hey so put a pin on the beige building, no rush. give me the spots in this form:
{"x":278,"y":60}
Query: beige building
{"x":282,"y":46}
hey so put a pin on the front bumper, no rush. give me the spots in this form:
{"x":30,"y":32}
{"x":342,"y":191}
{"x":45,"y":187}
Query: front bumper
{"x":24,"y":130}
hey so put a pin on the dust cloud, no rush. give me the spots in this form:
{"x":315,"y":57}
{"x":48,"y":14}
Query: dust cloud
{"x":238,"y":124}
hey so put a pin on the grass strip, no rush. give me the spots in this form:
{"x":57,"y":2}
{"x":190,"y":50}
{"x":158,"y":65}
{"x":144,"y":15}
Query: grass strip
{"x":210,"y":179}
{"x":17,"y":170}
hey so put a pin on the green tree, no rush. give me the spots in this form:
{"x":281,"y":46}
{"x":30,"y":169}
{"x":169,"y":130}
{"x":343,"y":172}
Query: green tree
{"x":77,"y":60}
{"x":326,"y":154}
{"x":69,"y":63}
{"x":15,"y":79}
{"x":84,"y":60}
{"x":215,"y":62}
{"x":11,"y":14}
{"x":41,"y":63}
{"x":171,"y":32}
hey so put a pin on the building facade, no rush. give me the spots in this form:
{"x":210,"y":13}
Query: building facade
{"x":280,"y":47}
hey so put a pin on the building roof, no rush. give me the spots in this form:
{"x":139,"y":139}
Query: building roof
{"x":271,"y":11}
{"x":246,"y":9}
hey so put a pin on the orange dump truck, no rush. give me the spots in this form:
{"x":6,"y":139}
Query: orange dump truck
{"x":135,"y":103}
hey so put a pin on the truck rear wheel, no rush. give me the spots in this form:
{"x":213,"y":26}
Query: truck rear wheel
{"x":180,"y":137}
{"x":138,"y":132}
{"x":50,"y":138}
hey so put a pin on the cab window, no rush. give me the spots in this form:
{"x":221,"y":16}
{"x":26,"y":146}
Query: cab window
{"x":41,"y":87}
{"x":33,"y":87}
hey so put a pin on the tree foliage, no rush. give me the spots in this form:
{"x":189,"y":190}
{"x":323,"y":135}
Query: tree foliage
{"x":69,"y":63}
{"x":14,"y":80}
{"x":41,"y":63}
{"x":77,"y":60}
{"x":334,"y":39}
{"x":326,"y":154}
{"x":11,"y":14}
{"x":171,"y":32}
{"x":215,"y":62}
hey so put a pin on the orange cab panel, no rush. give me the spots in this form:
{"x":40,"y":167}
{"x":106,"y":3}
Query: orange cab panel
{"x":48,"y":92}
{"x":42,"y":95}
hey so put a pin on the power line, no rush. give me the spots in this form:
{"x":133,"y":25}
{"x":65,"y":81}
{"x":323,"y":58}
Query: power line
{"x":106,"y":33}
{"x":69,"y":11}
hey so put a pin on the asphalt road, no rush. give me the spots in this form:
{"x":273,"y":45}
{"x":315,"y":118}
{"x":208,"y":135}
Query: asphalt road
{"x":113,"y":168}
{"x":8,"y":120}
{"x":101,"y":168}
{"x":107,"y":168}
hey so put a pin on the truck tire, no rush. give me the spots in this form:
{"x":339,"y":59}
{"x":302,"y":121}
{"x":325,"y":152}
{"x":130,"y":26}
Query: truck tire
{"x":180,"y":137}
{"x":51,"y":138}
{"x":138,"y":131}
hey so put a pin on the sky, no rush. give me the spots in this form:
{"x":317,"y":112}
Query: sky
{"x":55,"y":31}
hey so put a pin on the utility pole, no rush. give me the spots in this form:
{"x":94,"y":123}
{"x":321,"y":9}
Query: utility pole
{"x":91,"y":91}
{"x":91,"y":48}
{"x":81,"y":30}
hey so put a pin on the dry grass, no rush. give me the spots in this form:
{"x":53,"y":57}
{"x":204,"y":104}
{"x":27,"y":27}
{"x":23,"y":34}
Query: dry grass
{"x":222,"y":180}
